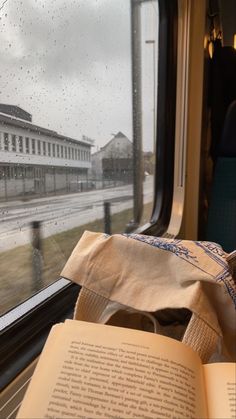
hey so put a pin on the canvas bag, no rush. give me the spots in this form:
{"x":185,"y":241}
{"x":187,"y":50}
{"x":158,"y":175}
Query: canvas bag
{"x":148,"y":277}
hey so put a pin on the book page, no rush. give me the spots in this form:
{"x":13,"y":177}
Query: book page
{"x":220,"y":381}
{"x":100,"y":371}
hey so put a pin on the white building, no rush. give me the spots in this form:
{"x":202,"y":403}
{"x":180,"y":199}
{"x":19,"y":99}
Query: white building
{"x":37,"y":161}
{"x":114,"y":160}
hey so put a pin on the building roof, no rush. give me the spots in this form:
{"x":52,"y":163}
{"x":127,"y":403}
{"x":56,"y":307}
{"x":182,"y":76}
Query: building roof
{"x":15,"y":111}
{"x":14,"y":121}
{"x":118,"y":135}
{"x":103,"y":150}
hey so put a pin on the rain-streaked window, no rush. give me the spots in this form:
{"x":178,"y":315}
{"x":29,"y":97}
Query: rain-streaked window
{"x":66,"y":130}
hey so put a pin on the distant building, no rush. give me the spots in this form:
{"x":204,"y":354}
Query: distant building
{"x":37,"y":161}
{"x":148,"y":162}
{"x":114,"y":161}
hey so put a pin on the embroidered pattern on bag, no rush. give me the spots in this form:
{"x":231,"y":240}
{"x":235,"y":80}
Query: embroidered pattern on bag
{"x":216,"y":253}
{"x":228,"y":281}
{"x":173,"y":246}
{"x":212,"y":250}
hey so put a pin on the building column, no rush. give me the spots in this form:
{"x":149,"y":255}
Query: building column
{"x":54,"y":180}
{"x":5,"y":183}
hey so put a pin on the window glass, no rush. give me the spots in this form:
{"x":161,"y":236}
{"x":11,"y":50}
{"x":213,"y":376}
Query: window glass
{"x":6,"y":142}
{"x":66,"y":79}
{"x":33,"y":145}
{"x":20,"y":144}
{"x":39,"y":147}
{"x":13,"y":143}
{"x":27,"y":145}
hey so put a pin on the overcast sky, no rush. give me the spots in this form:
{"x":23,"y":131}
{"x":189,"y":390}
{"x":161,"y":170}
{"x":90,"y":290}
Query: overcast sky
{"x":68,"y":63}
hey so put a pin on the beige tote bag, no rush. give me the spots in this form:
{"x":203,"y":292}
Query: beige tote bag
{"x":180,"y":288}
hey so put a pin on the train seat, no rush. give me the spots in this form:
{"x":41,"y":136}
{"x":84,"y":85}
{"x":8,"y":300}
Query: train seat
{"x":221,"y":223}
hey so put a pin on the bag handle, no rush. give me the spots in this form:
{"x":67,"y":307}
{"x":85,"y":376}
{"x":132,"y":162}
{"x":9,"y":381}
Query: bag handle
{"x":89,"y":306}
{"x":200,"y":336}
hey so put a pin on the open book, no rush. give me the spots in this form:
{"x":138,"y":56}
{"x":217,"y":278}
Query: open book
{"x":89,"y":370}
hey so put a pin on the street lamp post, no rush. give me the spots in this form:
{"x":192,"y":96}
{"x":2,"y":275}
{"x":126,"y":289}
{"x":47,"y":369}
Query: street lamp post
{"x":152,"y":42}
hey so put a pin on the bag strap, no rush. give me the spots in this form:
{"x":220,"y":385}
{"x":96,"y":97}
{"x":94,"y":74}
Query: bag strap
{"x":200,"y":336}
{"x":89,"y":306}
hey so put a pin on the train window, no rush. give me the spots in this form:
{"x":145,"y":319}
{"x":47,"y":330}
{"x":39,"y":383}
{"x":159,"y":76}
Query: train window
{"x":96,"y":71}
{"x":68,"y":84}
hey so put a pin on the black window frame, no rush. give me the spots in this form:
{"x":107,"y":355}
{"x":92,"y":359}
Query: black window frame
{"x":166,"y":117}
{"x":165,"y":122}
{"x":23,"y":338}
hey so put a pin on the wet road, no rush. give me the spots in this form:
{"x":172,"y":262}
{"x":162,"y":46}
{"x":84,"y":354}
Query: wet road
{"x":61,"y":213}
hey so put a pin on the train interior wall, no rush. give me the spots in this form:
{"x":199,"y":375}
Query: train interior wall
{"x":212,"y":89}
